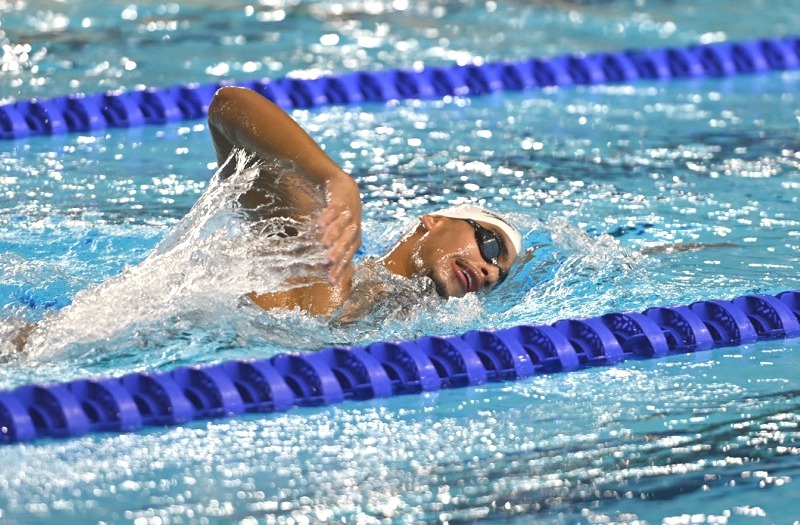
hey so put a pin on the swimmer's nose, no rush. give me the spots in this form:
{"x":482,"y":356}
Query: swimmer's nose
{"x":493,"y":274}
{"x":490,"y":275}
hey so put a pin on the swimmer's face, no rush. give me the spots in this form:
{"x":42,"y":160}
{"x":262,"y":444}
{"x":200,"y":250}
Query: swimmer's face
{"x":463,"y":256}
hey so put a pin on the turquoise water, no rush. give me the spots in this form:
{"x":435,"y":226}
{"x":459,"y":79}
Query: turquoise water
{"x":593,"y":175}
{"x":52,"y":47}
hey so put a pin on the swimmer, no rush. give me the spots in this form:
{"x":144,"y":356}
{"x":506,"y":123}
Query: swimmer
{"x":454,"y":251}
{"x":451,"y":252}
{"x":463,"y":249}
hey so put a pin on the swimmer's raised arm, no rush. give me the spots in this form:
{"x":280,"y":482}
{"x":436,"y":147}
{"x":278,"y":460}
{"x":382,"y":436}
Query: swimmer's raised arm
{"x":242,"y":118}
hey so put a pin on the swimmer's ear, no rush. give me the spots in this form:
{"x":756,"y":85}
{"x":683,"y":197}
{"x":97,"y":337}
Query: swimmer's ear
{"x":430,"y":222}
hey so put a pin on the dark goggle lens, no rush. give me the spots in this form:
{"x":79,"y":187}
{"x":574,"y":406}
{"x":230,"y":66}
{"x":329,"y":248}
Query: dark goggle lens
{"x":489,"y":246}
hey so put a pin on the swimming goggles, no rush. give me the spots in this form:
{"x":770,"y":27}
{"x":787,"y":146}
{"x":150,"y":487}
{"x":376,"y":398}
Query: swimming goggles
{"x":489,"y":244}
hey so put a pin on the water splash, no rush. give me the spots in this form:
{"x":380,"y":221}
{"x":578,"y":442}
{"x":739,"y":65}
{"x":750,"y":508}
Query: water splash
{"x":184,"y":303}
{"x":572,"y":274}
{"x":197,"y":274}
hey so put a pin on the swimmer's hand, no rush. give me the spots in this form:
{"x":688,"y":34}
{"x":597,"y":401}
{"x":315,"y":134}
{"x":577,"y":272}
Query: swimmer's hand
{"x":341,"y":223}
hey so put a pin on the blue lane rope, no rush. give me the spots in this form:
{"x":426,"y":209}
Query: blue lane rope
{"x":83,"y":113}
{"x":383,"y":369}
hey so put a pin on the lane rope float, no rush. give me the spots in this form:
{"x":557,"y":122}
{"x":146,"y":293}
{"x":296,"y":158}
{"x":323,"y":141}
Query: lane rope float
{"x":94,"y":112}
{"x":333,"y":375}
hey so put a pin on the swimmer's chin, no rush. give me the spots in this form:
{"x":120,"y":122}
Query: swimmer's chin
{"x":438,"y":285}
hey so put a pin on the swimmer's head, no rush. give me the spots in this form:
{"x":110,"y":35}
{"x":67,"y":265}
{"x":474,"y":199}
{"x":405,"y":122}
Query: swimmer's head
{"x":463,"y":249}
{"x":481,"y":214}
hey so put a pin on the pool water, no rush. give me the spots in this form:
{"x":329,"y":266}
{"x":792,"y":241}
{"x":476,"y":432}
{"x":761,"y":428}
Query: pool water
{"x":593,"y":176}
{"x":52,"y":47}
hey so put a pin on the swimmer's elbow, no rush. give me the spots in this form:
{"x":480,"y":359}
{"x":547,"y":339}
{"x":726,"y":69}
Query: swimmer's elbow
{"x":233,"y":104}
{"x":223,"y":103}
{"x":226,"y":114}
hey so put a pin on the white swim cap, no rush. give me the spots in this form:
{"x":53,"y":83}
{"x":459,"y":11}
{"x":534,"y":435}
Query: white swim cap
{"x":478,"y":213}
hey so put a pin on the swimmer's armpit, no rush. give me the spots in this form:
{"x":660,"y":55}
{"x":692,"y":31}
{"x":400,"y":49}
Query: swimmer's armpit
{"x":362,"y":302}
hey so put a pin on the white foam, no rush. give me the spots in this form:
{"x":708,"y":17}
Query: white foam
{"x":195,"y":276}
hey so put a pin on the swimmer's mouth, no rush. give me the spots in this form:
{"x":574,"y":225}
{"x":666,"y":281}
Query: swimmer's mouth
{"x":468,"y":278}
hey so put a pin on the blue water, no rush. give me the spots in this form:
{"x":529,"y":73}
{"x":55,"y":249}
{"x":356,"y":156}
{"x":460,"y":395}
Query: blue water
{"x":593,"y":175}
{"x":52,"y":47}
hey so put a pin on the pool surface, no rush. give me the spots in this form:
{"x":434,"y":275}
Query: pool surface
{"x":594,"y":176}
